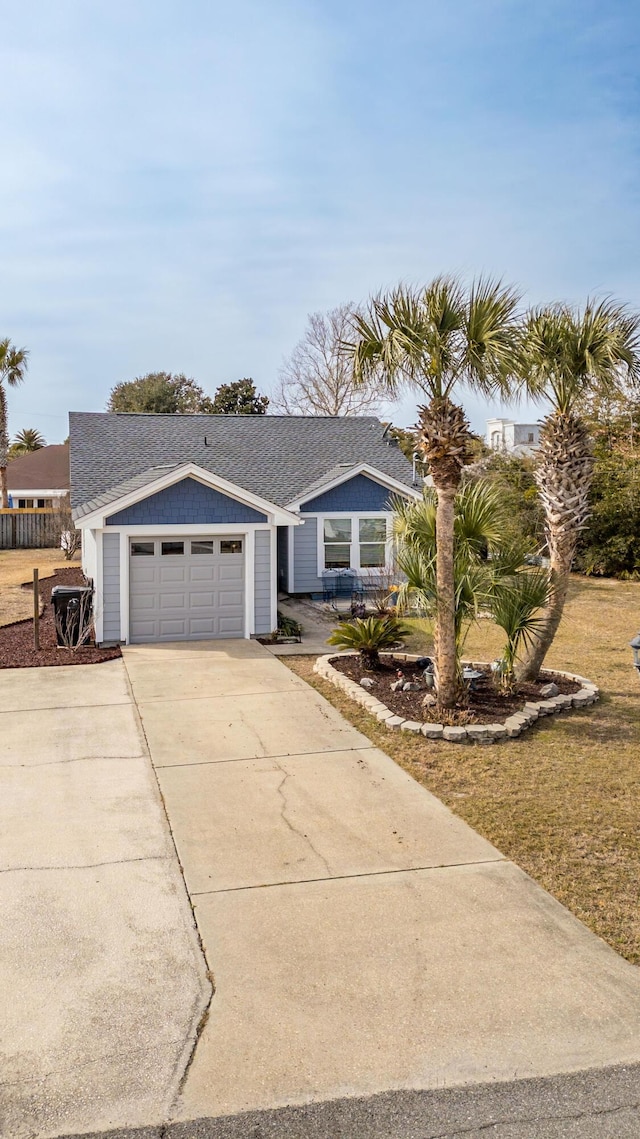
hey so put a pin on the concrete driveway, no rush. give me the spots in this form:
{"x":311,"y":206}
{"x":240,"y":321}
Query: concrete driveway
{"x":102,"y":977}
{"x":362,"y":939}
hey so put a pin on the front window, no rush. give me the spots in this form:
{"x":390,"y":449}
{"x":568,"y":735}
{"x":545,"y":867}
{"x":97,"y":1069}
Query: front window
{"x":337,"y":543}
{"x":373,"y":534}
{"x":354,"y":543}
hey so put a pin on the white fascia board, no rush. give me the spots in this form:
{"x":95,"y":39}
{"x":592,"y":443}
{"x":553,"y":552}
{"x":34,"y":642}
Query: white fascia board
{"x":359,"y":469}
{"x":58,"y":492}
{"x":188,"y":530}
{"x":276,"y":515}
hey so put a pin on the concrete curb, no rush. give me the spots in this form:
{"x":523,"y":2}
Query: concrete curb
{"x":511,"y":728}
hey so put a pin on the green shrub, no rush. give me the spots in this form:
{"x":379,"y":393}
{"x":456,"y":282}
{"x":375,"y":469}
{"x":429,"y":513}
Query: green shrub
{"x":369,"y":635}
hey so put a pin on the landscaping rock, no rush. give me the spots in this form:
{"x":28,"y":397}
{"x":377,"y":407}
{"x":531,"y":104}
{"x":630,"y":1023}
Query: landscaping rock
{"x":411,"y":686}
{"x":549,"y":690}
{"x":429,"y":701}
{"x":366,"y":682}
{"x":513,"y":727}
{"x":478,"y":733}
{"x":548,"y":706}
{"x":583,"y":698}
{"x":564,"y":702}
{"x":497,"y":731}
{"x":395,"y":722}
{"x":455,"y":735}
{"x":383,"y":715}
{"x":410,"y":726}
{"x":432,"y":731}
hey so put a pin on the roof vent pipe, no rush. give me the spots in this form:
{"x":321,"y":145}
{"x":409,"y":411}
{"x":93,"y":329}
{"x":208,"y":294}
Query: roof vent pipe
{"x":416,"y":459}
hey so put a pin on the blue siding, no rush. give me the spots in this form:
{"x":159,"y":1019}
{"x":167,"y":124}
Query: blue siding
{"x":357,"y":494}
{"x":185,"y":503}
{"x":111,"y":587}
{"x":262,"y":572}
{"x":305,"y":558}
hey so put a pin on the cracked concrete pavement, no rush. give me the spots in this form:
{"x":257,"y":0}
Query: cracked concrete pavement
{"x":380,"y":969}
{"x":102,"y":975}
{"x":362,"y":938}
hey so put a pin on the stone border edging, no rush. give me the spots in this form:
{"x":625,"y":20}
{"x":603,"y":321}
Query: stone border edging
{"x":512,"y":727}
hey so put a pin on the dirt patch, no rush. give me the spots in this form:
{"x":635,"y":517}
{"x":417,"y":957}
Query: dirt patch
{"x":16,"y":567}
{"x":16,"y":640}
{"x":484,"y":704}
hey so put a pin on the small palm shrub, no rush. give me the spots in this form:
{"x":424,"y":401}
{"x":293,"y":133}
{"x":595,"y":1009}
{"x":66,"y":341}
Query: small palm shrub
{"x":370,"y":636}
{"x":517,"y":606}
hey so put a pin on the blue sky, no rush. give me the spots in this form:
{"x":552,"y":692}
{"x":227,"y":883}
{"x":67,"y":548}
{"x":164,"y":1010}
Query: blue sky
{"x":183,"y":182}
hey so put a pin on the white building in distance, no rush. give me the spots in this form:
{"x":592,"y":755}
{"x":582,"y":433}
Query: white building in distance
{"x":519,"y":439}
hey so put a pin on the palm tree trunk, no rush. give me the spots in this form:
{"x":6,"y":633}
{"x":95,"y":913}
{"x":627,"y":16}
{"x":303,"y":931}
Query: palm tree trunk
{"x":560,"y":573}
{"x":563,"y":475}
{"x":4,"y":447}
{"x":446,"y":665}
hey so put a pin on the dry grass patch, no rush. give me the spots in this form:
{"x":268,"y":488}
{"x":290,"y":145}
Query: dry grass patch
{"x":16,"y":567}
{"x":563,"y":801}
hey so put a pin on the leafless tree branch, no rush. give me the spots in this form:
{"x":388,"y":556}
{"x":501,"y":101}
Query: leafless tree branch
{"x":317,"y":378}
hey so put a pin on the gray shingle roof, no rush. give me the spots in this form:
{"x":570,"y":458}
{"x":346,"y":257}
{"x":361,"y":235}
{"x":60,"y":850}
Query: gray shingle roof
{"x":280,"y":458}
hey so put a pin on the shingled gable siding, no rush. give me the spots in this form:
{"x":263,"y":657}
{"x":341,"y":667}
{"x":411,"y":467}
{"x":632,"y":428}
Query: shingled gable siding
{"x":188,"y":502}
{"x":262,"y":572}
{"x":111,"y":587}
{"x":357,"y":494}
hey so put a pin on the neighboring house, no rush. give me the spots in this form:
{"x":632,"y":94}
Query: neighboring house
{"x":192,"y":524}
{"x":515,"y":438}
{"x":39,"y":479}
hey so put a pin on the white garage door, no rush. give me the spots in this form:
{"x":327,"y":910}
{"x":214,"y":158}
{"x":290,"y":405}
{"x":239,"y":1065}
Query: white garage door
{"x":184,"y":589}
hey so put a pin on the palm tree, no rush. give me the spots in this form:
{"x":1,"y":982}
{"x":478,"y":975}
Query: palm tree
{"x":13,"y":365}
{"x":568,"y":356}
{"x":481,"y":561}
{"x":437,"y":340}
{"x":26,"y":441}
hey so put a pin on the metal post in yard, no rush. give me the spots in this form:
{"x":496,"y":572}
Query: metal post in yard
{"x":36,"y":611}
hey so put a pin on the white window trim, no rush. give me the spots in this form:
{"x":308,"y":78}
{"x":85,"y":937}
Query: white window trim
{"x":355,"y":517}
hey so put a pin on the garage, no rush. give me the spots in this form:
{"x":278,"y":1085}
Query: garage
{"x":186,"y":588}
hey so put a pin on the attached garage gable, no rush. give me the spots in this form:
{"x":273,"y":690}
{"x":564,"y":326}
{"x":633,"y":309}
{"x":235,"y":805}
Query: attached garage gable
{"x":187,"y":502}
{"x":186,"y":588}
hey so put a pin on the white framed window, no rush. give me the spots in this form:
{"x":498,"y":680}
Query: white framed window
{"x":360,"y":542}
{"x":337,"y":534}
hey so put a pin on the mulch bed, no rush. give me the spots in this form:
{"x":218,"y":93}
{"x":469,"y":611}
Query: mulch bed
{"x":484,"y":705}
{"x":16,"y":641}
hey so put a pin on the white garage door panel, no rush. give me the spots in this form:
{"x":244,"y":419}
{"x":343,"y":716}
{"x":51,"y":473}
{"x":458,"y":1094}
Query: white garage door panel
{"x":177,"y":597}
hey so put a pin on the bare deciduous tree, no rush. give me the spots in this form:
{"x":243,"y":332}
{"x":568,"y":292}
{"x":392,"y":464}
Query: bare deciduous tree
{"x":68,"y":538}
{"x":317,"y":378}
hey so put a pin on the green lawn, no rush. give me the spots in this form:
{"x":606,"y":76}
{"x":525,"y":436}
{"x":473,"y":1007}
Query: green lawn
{"x":563,"y":801}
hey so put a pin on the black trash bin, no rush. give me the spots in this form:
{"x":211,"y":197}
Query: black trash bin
{"x":72,"y":611}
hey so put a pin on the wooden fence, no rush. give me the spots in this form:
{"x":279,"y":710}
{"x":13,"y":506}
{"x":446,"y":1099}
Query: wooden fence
{"x":29,"y":529}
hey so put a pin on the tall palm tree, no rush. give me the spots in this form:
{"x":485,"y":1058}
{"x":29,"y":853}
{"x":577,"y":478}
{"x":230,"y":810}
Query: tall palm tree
{"x":26,"y":441}
{"x":13,"y":365}
{"x":569,"y":355}
{"x":439,"y":339}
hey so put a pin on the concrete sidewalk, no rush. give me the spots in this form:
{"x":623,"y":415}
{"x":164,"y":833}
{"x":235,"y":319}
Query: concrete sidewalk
{"x":362,"y":938}
{"x":102,"y":978}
